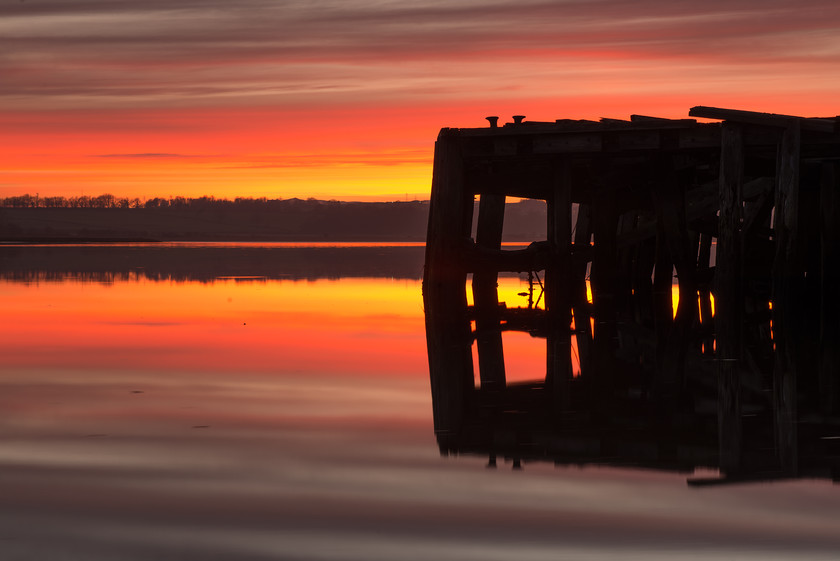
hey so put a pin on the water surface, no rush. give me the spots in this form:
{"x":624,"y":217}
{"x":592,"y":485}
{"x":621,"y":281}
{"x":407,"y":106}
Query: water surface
{"x":277,"y":406}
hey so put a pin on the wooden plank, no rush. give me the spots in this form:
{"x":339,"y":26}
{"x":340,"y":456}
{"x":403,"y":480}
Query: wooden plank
{"x":728,"y":310}
{"x":638,"y":140}
{"x":766,"y":119}
{"x":534,"y":257}
{"x":660,"y":121}
{"x":787,"y":280}
{"x":568,"y":143}
{"x":491,"y":360}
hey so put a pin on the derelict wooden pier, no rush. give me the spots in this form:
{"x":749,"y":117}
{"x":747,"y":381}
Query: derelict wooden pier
{"x":742,"y":210}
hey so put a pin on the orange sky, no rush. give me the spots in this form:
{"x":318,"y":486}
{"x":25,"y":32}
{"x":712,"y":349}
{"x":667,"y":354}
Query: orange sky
{"x":343,"y":99}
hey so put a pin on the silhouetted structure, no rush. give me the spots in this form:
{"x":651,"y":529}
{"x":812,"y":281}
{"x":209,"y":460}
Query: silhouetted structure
{"x":743,"y":375}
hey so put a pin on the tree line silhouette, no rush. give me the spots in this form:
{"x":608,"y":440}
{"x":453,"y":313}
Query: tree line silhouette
{"x":106,"y":217}
{"x":108,"y":200}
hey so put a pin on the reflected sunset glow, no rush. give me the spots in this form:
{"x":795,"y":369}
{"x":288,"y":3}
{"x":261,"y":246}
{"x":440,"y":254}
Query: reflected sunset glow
{"x":249,"y":325}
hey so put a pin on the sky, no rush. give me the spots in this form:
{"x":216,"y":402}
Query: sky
{"x":343,"y":99}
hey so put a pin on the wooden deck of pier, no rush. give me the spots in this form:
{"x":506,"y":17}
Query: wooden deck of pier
{"x":743,"y":210}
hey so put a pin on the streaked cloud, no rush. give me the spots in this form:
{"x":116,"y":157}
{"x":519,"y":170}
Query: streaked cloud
{"x":143,"y":155}
{"x":255,"y":78}
{"x":203,"y":51}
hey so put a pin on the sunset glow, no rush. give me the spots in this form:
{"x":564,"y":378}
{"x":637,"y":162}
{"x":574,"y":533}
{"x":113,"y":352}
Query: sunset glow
{"x":280,"y":99}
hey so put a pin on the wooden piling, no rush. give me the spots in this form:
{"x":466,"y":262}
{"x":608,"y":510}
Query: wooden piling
{"x":583,"y":327}
{"x":829,"y":385}
{"x":557,"y":287}
{"x":448,"y":335}
{"x":663,"y":313}
{"x":671,"y":218}
{"x":787,"y":280}
{"x":728,"y":299}
{"x":704,"y":255}
{"x":491,"y":360}
{"x":603,"y":284}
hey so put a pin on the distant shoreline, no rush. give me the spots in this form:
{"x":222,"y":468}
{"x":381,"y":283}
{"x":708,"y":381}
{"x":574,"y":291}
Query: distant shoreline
{"x":73,"y":240}
{"x":274,"y":221}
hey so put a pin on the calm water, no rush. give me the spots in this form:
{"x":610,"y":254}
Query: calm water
{"x":274,"y":404}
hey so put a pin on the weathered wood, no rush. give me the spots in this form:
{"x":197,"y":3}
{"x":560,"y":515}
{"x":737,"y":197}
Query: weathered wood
{"x":558,"y":288}
{"x":491,"y":359}
{"x":787,"y":280}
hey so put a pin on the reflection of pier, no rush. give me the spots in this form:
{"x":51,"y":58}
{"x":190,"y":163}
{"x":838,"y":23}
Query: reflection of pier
{"x":743,"y":375}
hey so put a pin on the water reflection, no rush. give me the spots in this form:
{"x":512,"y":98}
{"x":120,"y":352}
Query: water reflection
{"x":620,"y":403}
{"x":290,"y":419}
{"x":206,"y":262}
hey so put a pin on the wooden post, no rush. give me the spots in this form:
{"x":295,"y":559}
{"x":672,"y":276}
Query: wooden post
{"x":727,"y":297}
{"x":671,"y":220}
{"x":581,"y":310}
{"x":603,"y":283}
{"x":704,"y":255}
{"x":787,"y":279}
{"x":829,"y":370}
{"x":448,"y":336}
{"x":663,"y":317}
{"x":557,"y":287}
{"x":491,"y":359}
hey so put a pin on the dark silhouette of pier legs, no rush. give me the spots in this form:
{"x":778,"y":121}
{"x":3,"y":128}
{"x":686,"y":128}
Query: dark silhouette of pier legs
{"x":491,"y":360}
{"x":748,"y":365}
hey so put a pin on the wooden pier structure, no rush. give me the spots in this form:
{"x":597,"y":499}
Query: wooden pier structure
{"x":741,"y":212}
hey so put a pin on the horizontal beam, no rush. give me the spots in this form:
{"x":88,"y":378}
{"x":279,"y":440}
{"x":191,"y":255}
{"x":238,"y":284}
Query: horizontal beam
{"x":765,"y":119}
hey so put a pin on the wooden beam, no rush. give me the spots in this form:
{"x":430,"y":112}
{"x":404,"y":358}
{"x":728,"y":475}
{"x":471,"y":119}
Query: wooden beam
{"x":765,"y":119}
